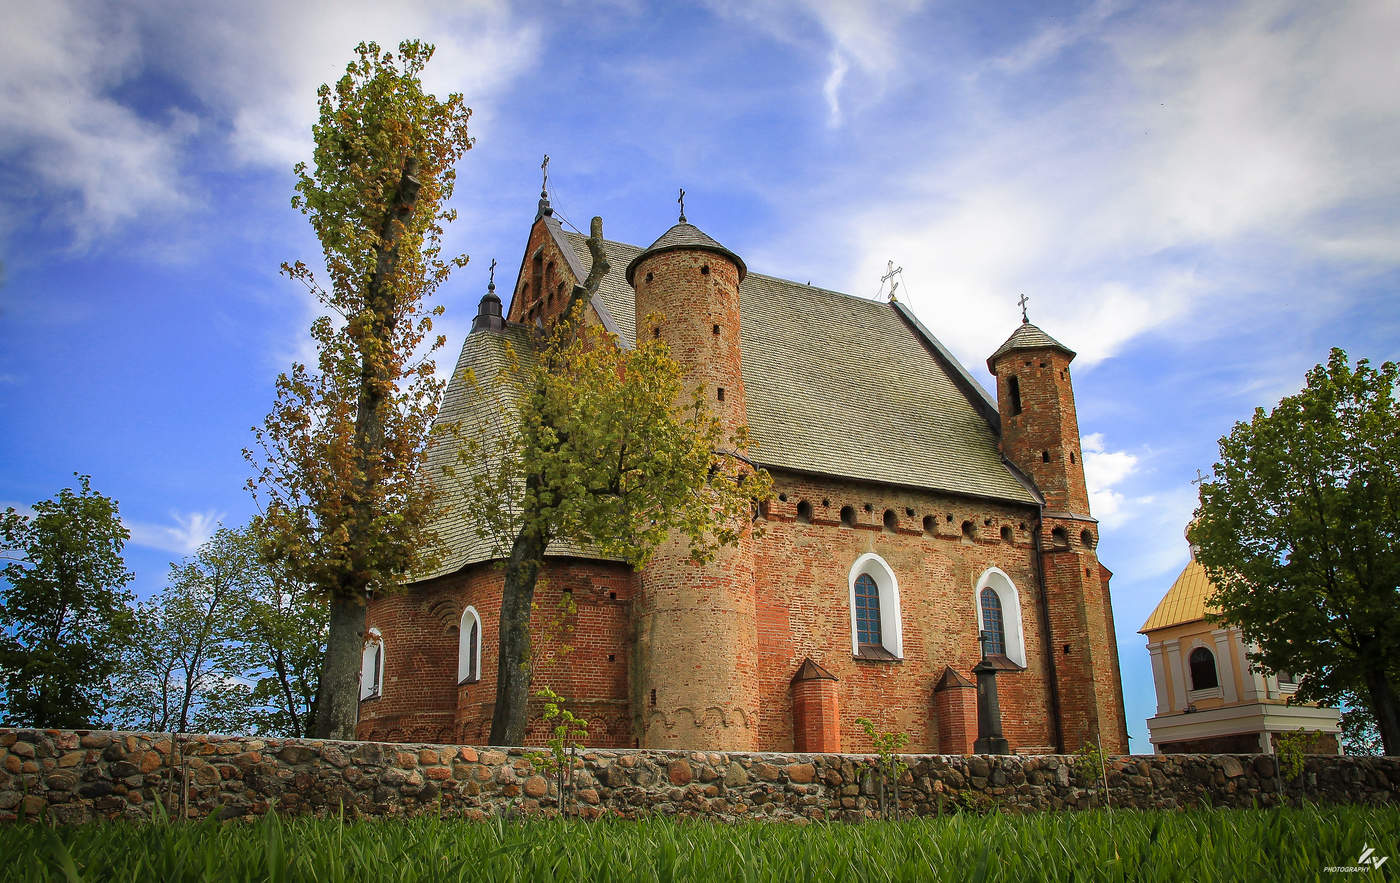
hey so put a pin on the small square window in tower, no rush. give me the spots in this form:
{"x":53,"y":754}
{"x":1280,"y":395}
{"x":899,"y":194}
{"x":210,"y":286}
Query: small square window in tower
{"x":867,"y":612}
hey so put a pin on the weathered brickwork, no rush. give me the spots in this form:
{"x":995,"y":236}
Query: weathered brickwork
{"x":692,"y":657}
{"x":1040,"y":436}
{"x":70,"y":777}
{"x":421,"y":699}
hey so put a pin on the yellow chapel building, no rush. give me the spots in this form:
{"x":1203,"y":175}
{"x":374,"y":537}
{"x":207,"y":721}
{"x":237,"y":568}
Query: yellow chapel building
{"x":1210,"y":699}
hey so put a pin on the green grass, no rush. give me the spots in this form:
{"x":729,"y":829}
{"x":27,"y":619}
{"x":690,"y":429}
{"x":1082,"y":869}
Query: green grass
{"x":1284,"y":844}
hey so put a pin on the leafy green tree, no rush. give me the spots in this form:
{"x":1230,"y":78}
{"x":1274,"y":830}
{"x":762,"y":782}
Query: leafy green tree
{"x":602,"y":446}
{"x":227,"y":647}
{"x":64,"y":611}
{"x":1300,"y":531}
{"x":342,"y":449}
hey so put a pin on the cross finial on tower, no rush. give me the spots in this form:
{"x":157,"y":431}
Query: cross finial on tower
{"x":1025,"y":319}
{"x":681,"y":199}
{"x":491,"y":286}
{"x":545,"y":210}
{"x":1199,"y":479}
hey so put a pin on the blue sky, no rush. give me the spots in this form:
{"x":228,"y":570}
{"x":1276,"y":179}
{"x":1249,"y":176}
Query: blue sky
{"x":1199,"y":199}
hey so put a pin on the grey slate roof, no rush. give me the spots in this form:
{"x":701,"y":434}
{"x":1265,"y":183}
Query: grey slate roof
{"x":477,"y":408}
{"x":845,"y":386}
{"x":835,"y":385}
{"x":1027,"y":337}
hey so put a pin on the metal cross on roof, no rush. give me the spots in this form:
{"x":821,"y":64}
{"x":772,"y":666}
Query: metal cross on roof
{"x":1199,"y":479}
{"x":893,"y":271}
{"x":681,"y":199}
{"x":491,"y":286}
{"x":1025,"y":320}
{"x":544,"y":172}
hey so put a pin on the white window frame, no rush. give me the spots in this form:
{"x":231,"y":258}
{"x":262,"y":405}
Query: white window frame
{"x":891,"y":624}
{"x":372,"y":666}
{"x":995,"y":578}
{"x":468,"y":670}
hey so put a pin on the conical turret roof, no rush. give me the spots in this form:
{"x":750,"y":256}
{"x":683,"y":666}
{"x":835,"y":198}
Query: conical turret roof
{"x":686,"y":237}
{"x":1027,"y":337}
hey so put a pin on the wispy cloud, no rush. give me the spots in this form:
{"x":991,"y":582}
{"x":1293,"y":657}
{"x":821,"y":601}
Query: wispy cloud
{"x":189,"y":531}
{"x":112,"y":110}
{"x":831,"y":89}
{"x":1104,"y":472}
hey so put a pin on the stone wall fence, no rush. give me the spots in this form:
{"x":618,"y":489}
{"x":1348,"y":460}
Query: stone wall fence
{"x":72,"y":776}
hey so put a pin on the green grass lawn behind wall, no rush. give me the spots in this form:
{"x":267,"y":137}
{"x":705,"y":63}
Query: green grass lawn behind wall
{"x":1282,"y":844}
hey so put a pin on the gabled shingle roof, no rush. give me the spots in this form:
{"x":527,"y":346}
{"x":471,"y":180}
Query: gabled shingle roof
{"x":845,"y":386}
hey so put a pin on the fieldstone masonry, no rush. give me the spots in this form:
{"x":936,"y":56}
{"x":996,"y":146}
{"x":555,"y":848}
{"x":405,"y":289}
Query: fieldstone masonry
{"x":75,"y":776}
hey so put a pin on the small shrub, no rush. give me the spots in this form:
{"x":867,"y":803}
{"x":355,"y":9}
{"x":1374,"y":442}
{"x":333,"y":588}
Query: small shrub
{"x":889,"y":768}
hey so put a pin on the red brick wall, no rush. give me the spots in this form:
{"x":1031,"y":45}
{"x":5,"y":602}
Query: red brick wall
{"x":1046,"y":426}
{"x":803,"y":593}
{"x":420,"y":693}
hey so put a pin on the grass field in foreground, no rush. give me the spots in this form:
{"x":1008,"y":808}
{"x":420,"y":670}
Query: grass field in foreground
{"x":1285,"y":844}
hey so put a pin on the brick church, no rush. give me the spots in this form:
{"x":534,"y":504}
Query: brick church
{"x":912,"y":510}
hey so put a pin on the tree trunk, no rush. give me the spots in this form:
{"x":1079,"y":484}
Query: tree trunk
{"x":338,"y":709}
{"x":509,"y":720}
{"x":1384,"y":707}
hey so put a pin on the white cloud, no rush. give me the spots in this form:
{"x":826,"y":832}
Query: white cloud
{"x":190,"y":531}
{"x":98,"y":161}
{"x":831,"y":89}
{"x":861,"y":36}
{"x":1192,"y":157}
{"x":80,"y":78}
{"x":1104,"y":470}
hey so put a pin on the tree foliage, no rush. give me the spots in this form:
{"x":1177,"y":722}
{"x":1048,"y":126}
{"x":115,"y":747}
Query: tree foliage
{"x":229,"y":646}
{"x":63,"y":607}
{"x":1300,"y":531}
{"x":602,"y":446}
{"x":342,"y":449}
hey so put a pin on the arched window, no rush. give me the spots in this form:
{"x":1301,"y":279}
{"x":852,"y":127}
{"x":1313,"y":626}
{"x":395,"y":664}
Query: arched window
{"x":1203,"y":676}
{"x":372,"y":666}
{"x":469,"y":647}
{"x":992,"y":622}
{"x":1000,"y":613}
{"x":867,"y":611}
{"x":876,"y":630}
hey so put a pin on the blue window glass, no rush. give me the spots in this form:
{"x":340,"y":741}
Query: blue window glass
{"x":867,"y":611}
{"x":992,"y":622}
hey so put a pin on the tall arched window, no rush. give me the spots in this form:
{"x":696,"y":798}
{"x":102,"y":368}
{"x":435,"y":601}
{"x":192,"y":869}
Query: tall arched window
{"x":992,"y":622}
{"x":876,"y":630}
{"x":372,"y":666}
{"x":1203,"y":676}
{"x":867,"y":611}
{"x":1000,"y":613}
{"x":469,"y":647}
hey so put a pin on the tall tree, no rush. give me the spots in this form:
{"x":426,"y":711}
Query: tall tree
{"x":342,"y":449}
{"x":1300,"y":531}
{"x":602,"y":446}
{"x":64,"y":610}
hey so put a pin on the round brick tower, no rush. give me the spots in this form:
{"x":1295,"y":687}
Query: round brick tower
{"x":1040,"y":436}
{"x":697,"y":646}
